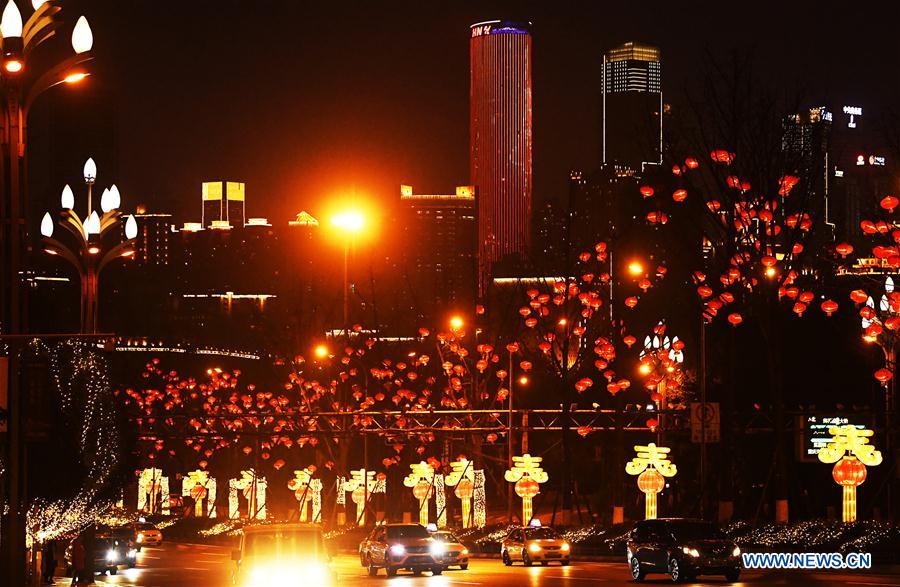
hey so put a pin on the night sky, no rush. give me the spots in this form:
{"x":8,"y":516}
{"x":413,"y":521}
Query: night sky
{"x":307,"y":100}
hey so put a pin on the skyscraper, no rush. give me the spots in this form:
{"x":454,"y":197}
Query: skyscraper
{"x":632,"y":106}
{"x":223,"y":204}
{"x":500,"y":140}
{"x":152,"y":243}
{"x":440,"y":249}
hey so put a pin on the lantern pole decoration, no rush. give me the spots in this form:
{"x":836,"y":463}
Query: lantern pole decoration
{"x":421,"y":480}
{"x":850,"y":450}
{"x":195,"y":486}
{"x":361,"y":484}
{"x":254,"y":489}
{"x":527,"y":474}
{"x":462,"y":476}
{"x":651,"y":465}
{"x":301,"y":485}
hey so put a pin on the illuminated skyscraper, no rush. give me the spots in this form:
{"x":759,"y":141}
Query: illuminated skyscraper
{"x":223,"y":204}
{"x":500,"y":140}
{"x":152,"y":243}
{"x":632,"y":105}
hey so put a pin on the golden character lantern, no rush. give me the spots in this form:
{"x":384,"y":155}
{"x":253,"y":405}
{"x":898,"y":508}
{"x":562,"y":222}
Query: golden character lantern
{"x":421,"y":480}
{"x":462,"y":475}
{"x":850,"y":452}
{"x":303,"y":489}
{"x":197,"y":481}
{"x":361,"y":484}
{"x":527,"y":474}
{"x":651,"y":465}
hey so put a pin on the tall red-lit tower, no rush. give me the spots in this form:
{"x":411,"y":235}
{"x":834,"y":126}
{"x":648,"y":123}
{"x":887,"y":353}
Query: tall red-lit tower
{"x":500,"y":140}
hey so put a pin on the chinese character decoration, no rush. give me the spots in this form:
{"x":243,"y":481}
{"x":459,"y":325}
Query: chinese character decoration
{"x":199,"y":486}
{"x":153,"y":491}
{"x":361,"y":485}
{"x":526,"y":473}
{"x":253,"y":489}
{"x":462,"y":476}
{"x":421,"y":479}
{"x":651,"y":465}
{"x":308,"y":491}
{"x":850,"y":451}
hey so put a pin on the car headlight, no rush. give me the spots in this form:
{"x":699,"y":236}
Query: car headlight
{"x":736,"y":551}
{"x":111,"y":555}
{"x":566,"y":547}
{"x":398,"y":549}
{"x":140,"y":538}
{"x":690,"y":551}
{"x":464,"y":552}
{"x":533,"y":547}
{"x":437,"y":548}
{"x":132,"y":553}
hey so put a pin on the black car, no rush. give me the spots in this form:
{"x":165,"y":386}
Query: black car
{"x":110,"y":550}
{"x":682,"y":548}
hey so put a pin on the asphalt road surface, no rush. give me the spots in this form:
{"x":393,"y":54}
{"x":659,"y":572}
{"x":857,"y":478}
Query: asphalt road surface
{"x":210,"y":566}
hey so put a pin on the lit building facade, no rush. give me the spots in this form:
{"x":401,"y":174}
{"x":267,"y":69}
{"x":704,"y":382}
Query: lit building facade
{"x":500,"y":140}
{"x":632,"y":106}
{"x":440,"y":247}
{"x":224,"y":203}
{"x":152,"y":242}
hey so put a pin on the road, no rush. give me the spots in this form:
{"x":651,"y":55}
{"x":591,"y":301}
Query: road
{"x":210,"y":566}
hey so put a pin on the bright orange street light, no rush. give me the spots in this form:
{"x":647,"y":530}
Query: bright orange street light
{"x":321,"y":351}
{"x":351,"y":221}
{"x":523,"y":380}
{"x":456,"y":323}
{"x":635,"y":268}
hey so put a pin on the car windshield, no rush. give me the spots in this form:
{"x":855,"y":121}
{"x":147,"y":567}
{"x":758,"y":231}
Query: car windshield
{"x":540,"y":534}
{"x":687,"y":531}
{"x":411,"y":531}
{"x":285,"y":543}
{"x":445,"y":537}
{"x":144,"y":526}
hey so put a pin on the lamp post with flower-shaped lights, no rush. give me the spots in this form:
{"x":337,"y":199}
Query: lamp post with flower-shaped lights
{"x":660,"y":361}
{"x":24,"y":75}
{"x":881,"y":326}
{"x":850,"y":452}
{"x":651,"y":465}
{"x":93,"y":242}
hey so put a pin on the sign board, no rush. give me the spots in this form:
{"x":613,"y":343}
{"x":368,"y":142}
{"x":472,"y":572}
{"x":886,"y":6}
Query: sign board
{"x":705,"y":422}
{"x":814,"y":434}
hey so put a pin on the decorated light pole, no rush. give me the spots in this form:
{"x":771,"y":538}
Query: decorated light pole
{"x":421,"y":479}
{"x":651,"y":465}
{"x":94,"y":241}
{"x":306,"y":489}
{"x":361,"y":485}
{"x":850,"y":451}
{"x":462,"y":476}
{"x":527,"y":474}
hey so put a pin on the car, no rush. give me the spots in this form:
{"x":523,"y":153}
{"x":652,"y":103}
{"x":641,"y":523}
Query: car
{"x":533,"y":544}
{"x":282,"y":554}
{"x":401,"y":546}
{"x":455,"y":554}
{"x":146,"y":534}
{"x":110,"y":552}
{"x":684,"y":548}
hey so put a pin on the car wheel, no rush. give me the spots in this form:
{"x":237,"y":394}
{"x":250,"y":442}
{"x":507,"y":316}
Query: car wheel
{"x":564,"y":563}
{"x":543,"y":563}
{"x":637,"y":572}
{"x":464,"y":567}
{"x":437,"y":570}
{"x":506,"y":560}
{"x":526,"y":560}
{"x":372,"y":569}
{"x":675,"y":570}
{"x":391,"y":571}
{"x":113,"y":570}
{"x":417,"y":572}
{"x":733,"y":575}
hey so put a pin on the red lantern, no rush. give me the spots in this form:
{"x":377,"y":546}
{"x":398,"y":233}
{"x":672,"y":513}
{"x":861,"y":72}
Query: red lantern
{"x":679,"y":195}
{"x":527,"y":487}
{"x":829,"y":307}
{"x":358,"y":495}
{"x":859,"y":296}
{"x":631,"y":301}
{"x":889,"y":203}
{"x":198,"y":492}
{"x":849,"y":472}
{"x":735,"y":319}
{"x":465,"y":489}
{"x":884,"y":375}
{"x":650,"y":481}
{"x":646,"y":191}
{"x":844,"y":249}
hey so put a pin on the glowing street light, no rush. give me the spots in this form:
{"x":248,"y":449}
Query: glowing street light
{"x":635,"y":268}
{"x":456,"y":323}
{"x":850,"y":450}
{"x":650,"y":465}
{"x":351,"y":222}
{"x":321,"y":351}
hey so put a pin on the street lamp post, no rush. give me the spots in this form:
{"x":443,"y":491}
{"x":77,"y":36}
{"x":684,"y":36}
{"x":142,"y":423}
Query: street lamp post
{"x":94,"y":242}
{"x":22,"y":81}
{"x":350,"y":222}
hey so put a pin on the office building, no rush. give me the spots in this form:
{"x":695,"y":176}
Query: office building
{"x":440,"y":244}
{"x":500,"y":140}
{"x":632,"y":106}
{"x":152,"y":241}
{"x":224,"y":204}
